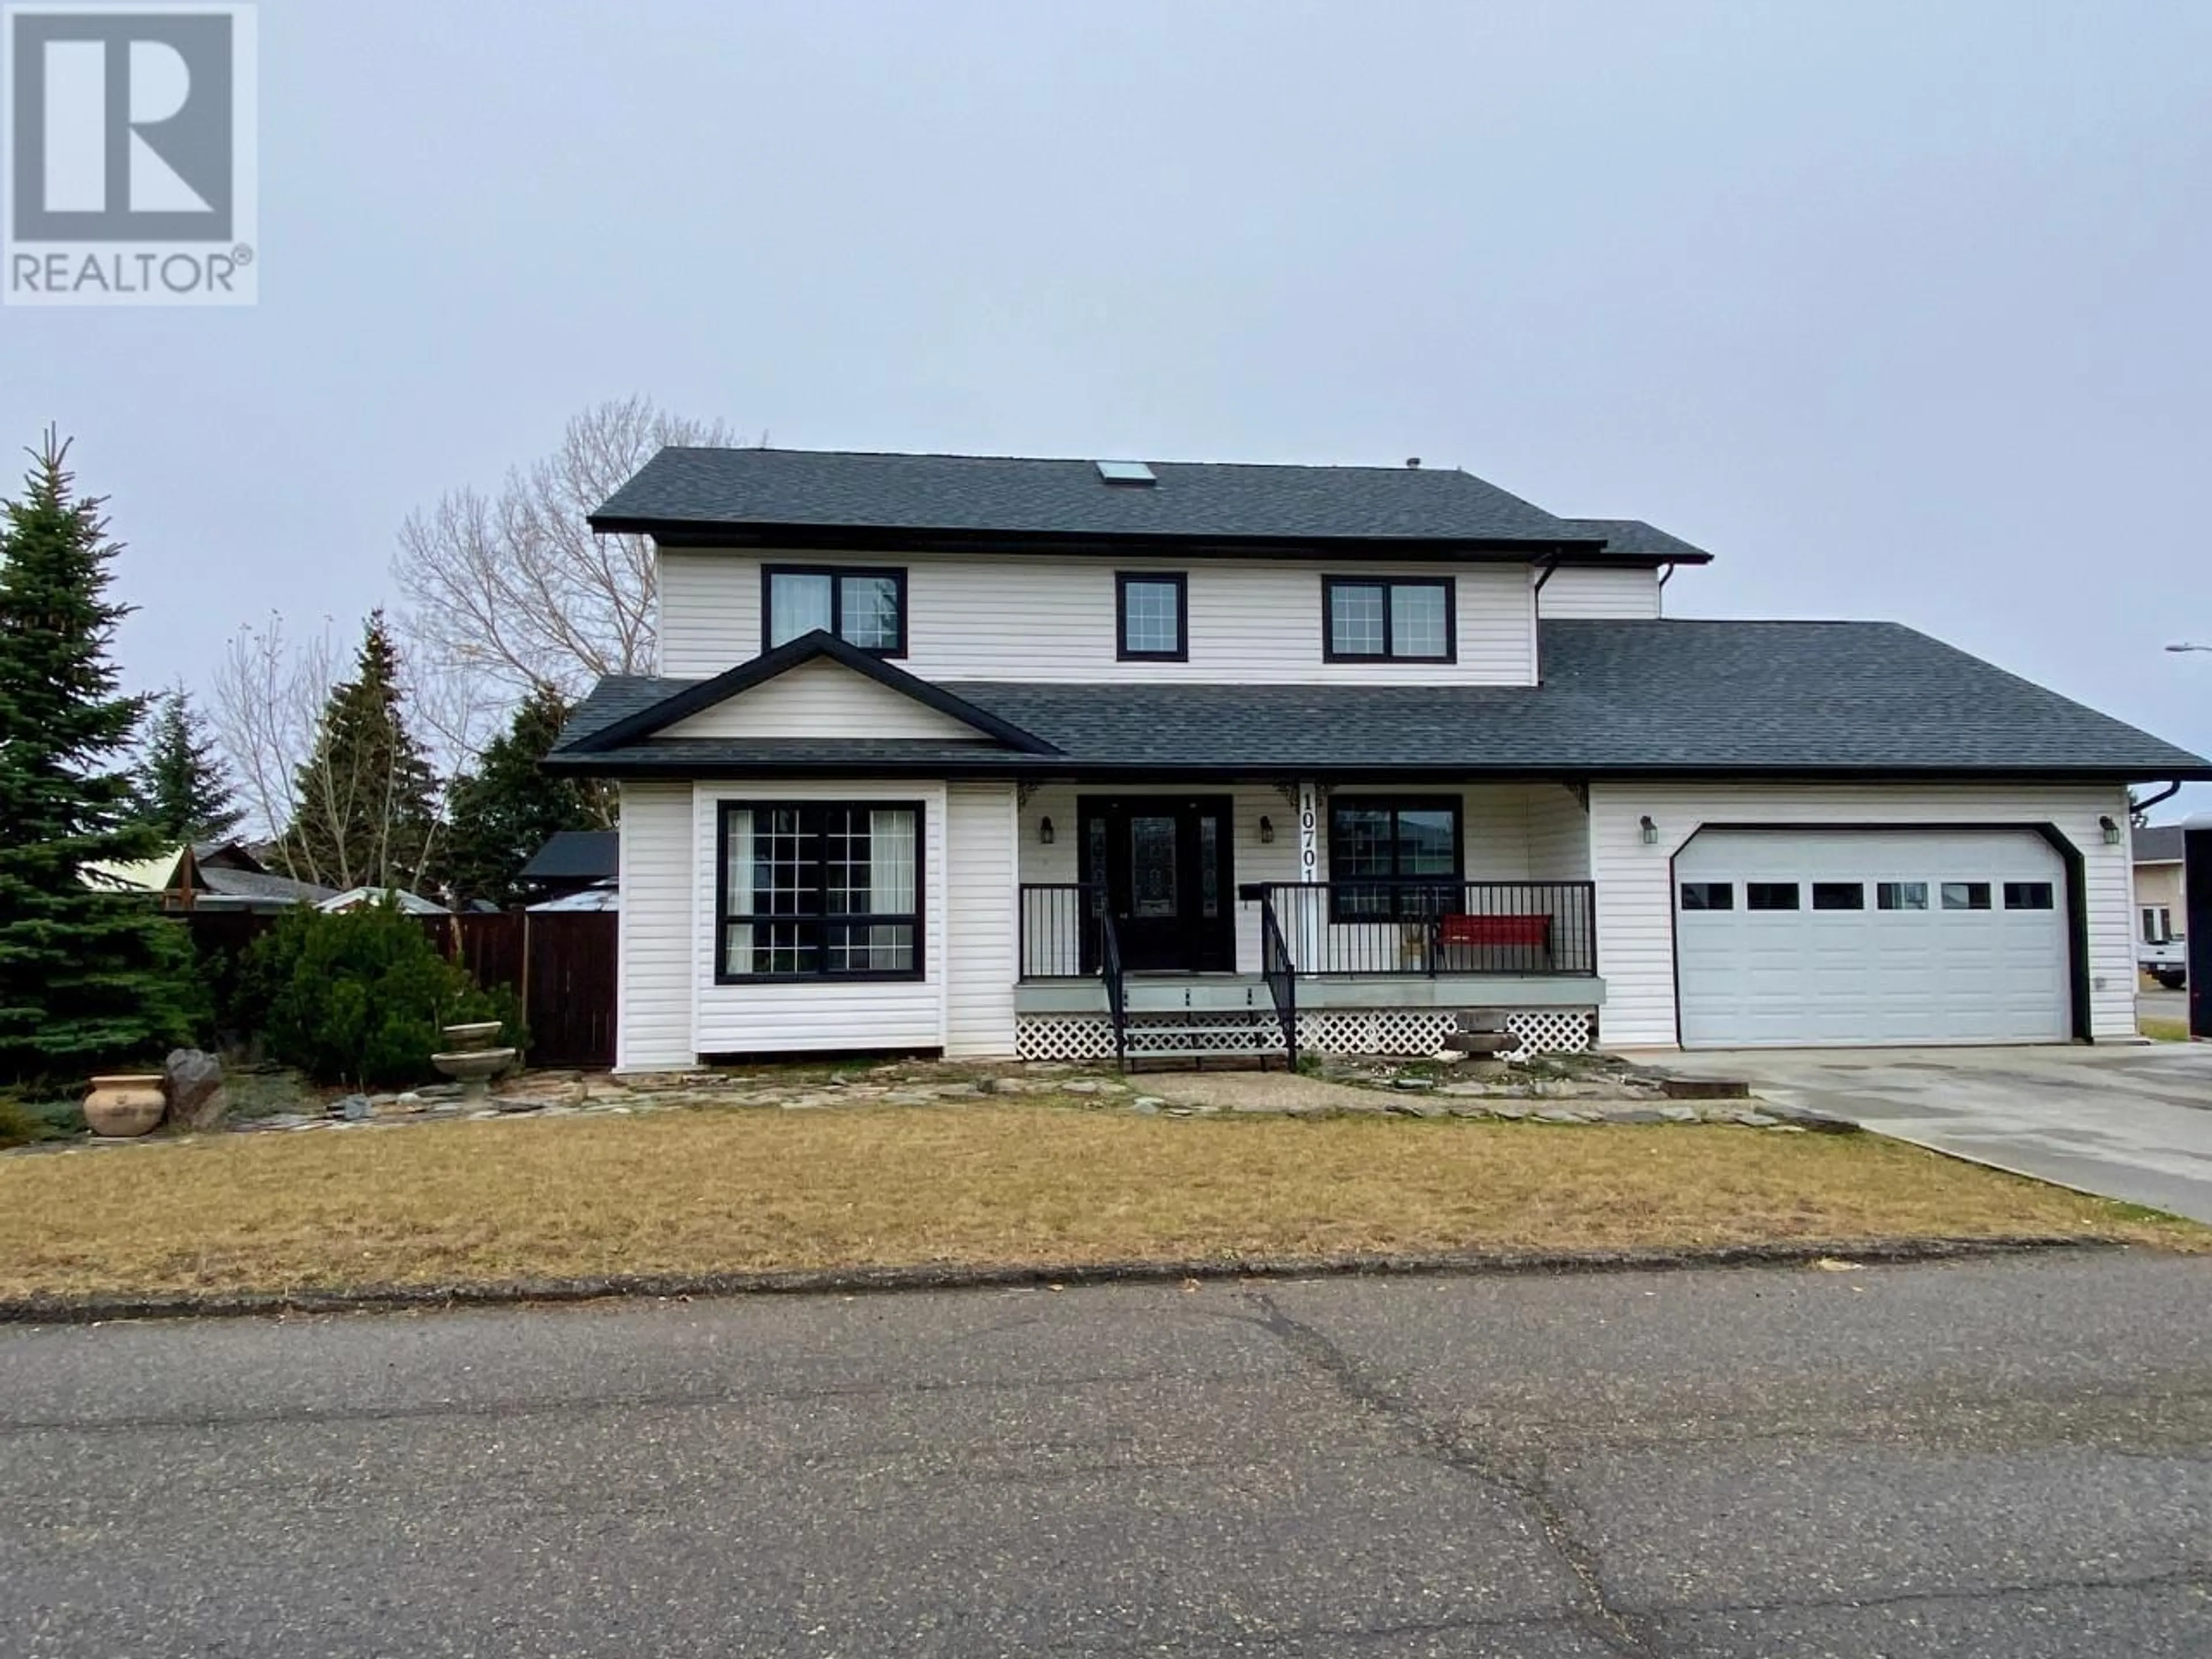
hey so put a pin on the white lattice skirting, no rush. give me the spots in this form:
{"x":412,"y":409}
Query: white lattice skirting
{"x":1331,"y":1032}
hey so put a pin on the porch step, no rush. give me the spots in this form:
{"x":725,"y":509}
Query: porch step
{"x":1158,"y":1035}
{"x":1214,"y":994}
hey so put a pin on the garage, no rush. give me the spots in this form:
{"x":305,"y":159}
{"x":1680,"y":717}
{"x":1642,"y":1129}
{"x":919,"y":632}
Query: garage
{"x":1848,"y":937}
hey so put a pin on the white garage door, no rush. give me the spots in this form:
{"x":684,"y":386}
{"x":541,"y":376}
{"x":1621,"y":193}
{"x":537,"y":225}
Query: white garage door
{"x":1870,"y":936}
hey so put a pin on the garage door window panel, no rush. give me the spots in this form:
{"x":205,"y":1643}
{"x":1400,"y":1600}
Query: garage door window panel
{"x":1965,"y":895}
{"x":1901,"y":896}
{"x":1709,"y":895}
{"x":1839,"y":895}
{"x":2028,"y":896}
{"x":1770,"y":896}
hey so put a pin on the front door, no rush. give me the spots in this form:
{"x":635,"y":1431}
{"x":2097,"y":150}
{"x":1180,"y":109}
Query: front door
{"x":1164,"y":863}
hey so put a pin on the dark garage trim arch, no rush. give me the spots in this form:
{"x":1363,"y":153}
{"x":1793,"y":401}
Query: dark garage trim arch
{"x":2069,"y":859}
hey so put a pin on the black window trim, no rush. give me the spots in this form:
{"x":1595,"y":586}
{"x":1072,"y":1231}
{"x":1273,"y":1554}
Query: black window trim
{"x":1455,"y":804}
{"x":896,"y":573}
{"x":1330,"y":584}
{"x":1180,"y":581}
{"x":919,"y":918}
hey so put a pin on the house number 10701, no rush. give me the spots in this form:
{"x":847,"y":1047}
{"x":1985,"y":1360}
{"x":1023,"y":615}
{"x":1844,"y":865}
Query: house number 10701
{"x":1308,"y":835}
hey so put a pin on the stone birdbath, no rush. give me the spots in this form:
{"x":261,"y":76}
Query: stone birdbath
{"x":473,"y":1062}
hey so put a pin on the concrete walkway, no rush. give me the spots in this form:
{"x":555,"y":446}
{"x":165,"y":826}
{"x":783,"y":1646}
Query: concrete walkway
{"x":2131,"y":1122}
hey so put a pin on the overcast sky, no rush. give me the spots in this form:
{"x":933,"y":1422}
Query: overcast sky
{"x":1903,"y":312}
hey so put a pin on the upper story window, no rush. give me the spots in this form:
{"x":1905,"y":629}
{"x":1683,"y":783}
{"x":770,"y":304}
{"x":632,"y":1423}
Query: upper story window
{"x":1152,"y":617}
{"x":865,"y":608}
{"x":1399,"y":620}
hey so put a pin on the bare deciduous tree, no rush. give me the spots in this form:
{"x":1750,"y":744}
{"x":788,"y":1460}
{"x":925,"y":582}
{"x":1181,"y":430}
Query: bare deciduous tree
{"x":269,"y":693}
{"x":513,"y":589}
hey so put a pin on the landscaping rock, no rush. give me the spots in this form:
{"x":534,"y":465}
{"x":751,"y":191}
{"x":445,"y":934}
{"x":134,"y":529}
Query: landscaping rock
{"x":352,"y":1107}
{"x":1634,"y":1114}
{"x":192,"y":1081}
{"x":1412,"y":1083}
{"x":1678,"y":1114}
{"x":1756,"y":1119}
{"x":1148,"y":1104}
{"x":1560,"y":1115}
{"x":1511,"y":1111}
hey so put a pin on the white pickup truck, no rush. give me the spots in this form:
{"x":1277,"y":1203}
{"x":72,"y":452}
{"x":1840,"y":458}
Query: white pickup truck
{"x":2166,"y":960}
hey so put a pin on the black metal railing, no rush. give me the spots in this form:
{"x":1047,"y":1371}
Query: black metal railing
{"x":1060,"y":929}
{"x":1109,"y":970}
{"x":1067,"y":933}
{"x":1425,"y":925}
{"x":1281,"y":973}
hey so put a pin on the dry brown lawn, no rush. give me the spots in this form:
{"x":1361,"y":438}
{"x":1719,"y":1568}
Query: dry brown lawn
{"x":727,"y":1191}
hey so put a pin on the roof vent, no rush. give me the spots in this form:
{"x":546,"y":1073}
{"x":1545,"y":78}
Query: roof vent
{"x":1126,"y":472}
{"x":1413,"y":464}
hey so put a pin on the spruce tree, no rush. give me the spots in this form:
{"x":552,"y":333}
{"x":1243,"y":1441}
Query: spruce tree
{"x":365,"y":815}
{"x":89,"y":976}
{"x":183,"y":792}
{"x":503,"y":811}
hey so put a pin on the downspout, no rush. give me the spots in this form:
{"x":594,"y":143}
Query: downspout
{"x":2166,"y":793}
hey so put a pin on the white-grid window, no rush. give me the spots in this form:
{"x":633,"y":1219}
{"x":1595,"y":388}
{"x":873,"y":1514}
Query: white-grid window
{"x":1400,"y":619}
{"x":828,"y":889}
{"x":1153,"y":611}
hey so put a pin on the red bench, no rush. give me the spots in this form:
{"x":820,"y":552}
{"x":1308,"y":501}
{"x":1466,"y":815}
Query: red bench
{"x":1520,"y":931}
{"x":1467,"y":943}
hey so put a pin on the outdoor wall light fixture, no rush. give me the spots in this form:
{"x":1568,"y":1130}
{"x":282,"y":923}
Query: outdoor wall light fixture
{"x":1044,"y":830}
{"x":1651,"y":831}
{"x":2111,"y":828}
{"x":1266,"y":828}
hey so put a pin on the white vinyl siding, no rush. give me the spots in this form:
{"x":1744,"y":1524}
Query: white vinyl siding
{"x":1040,"y":617}
{"x":1580,"y":590}
{"x":831,"y":1014}
{"x":1559,"y":834}
{"x":653,"y":980}
{"x":980,"y":826}
{"x":821,"y":699}
{"x":1635,"y":898}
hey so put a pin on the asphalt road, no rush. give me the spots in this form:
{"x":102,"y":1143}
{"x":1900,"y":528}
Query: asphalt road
{"x":2007,"y":1458}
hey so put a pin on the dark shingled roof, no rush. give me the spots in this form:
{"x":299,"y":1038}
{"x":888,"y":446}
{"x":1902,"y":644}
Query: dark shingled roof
{"x":2158,"y":844}
{"x":990,"y":496}
{"x":1633,"y":539}
{"x":1618,"y":698}
{"x":575,"y":855}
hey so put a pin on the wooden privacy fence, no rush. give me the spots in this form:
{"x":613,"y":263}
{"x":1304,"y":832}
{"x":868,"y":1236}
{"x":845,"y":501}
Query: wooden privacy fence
{"x":560,"y":965}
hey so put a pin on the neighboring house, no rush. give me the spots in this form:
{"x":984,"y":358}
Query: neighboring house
{"x":1006,"y":757}
{"x":572,"y":861}
{"x":411,"y":904}
{"x":209,"y":875}
{"x":2161,"y":905}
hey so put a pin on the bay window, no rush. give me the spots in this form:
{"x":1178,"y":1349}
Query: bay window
{"x":819,"y":889}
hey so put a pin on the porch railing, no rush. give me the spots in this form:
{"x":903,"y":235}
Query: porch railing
{"x":1429,"y":927}
{"x":1059,"y":923}
{"x":1282,"y":976}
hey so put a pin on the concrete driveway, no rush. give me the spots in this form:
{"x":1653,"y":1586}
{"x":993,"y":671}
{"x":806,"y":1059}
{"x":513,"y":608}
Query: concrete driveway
{"x":2132,"y":1123}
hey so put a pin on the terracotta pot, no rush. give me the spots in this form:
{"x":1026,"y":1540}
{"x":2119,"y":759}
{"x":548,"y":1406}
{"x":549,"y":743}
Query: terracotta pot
{"x":124,"y":1105}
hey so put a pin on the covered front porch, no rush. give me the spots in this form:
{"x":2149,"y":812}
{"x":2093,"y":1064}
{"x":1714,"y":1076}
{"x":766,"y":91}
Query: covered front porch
{"x":1288,"y":915}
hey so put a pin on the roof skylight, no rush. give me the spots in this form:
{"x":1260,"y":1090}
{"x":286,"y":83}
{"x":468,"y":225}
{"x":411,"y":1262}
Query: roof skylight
{"x":1126,"y":472}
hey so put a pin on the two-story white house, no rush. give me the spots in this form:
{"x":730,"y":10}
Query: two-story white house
{"x":1053,"y":757}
